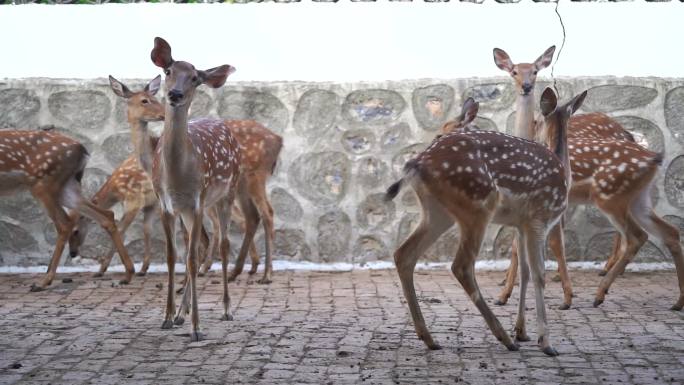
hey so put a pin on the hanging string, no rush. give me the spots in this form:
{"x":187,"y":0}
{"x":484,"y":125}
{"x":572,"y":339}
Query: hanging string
{"x":553,"y":67}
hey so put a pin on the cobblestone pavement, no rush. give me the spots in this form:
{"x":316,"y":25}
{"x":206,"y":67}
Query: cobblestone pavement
{"x":330,"y":328}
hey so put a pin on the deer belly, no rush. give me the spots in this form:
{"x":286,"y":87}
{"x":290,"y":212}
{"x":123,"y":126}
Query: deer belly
{"x":216,"y":192}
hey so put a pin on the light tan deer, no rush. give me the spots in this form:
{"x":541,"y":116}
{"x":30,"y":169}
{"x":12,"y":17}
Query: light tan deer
{"x":129,"y":184}
{"x":196,"y":166}
{"x":50,"y":166}
{"x":481,"y":177}
{"x":597,"y":129}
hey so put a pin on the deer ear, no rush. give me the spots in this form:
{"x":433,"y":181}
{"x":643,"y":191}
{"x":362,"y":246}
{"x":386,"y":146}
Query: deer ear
{"x":576,"y":102}
{"x":545,"y":59}
{"x":548,"y":102}
{"x":161,"y":53}
{"x":216,"y":77}
{"x":502,"y":60}
{"x":469,"y":111}
{"x":119,"y":88}
{"x":153,"y":86}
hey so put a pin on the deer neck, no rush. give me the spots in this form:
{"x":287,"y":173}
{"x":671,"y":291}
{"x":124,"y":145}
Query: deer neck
{"x":174,"y":146}
{"x":524,"y":116}
{"x":141,"y":139}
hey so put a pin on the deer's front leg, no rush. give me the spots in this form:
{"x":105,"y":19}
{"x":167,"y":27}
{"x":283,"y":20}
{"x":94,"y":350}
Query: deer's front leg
{"x":169,"y":224}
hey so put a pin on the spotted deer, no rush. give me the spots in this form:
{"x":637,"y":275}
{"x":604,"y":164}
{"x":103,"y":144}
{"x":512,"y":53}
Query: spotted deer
{"x":50,"y":166}
{"x":596,"y":128}
{"x":129,"y":184}
{"x":196,"y":167}
{"x":481,"y":177}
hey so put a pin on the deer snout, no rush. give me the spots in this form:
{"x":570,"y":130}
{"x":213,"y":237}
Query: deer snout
{"x":175,"y":95}
{"x":527,"y":88}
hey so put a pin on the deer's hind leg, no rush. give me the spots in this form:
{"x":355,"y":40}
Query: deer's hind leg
{"x":509,"y":281}
{"x":435,"y":221}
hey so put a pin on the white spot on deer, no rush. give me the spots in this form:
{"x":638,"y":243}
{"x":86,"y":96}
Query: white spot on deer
{"x":622,"y":167}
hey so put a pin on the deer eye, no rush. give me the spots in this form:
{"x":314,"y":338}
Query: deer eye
{"x":195,"y":79}
{"x":167,"y":72}
{"x":535,"y":72}
{"x":145,"y":101}
{"x":515,"y":72}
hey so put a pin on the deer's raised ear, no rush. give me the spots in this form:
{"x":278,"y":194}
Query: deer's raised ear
{"x":216,"y":77}
{"x":469,"y":111}
{"x":502,"y":60}
{"x":576,"y":102}
{"x":153,"y":86}
{"x":161,"y":53}
{"x":119,"y":88}
{"x":548,"y":102}
{"x":545,"y":59}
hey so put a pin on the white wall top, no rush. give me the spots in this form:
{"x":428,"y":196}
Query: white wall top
{"x":341,"y":41}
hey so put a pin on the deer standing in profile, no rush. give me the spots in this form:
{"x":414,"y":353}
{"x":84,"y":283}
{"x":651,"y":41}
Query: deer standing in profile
{"x":51,"y":166}
{"x":129,"y":184}
{"x":598,"y":147}
{"x":196,"y":167}
{"x":481,"y":177}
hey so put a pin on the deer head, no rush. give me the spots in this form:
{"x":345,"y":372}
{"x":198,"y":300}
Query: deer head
{"x":182,"y":79}
{"x":524,"y":74}
{"x":468,"y":114}
{"x":142,"y":105}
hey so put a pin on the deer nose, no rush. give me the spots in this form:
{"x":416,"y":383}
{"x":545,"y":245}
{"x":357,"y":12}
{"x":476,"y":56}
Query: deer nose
{"x":175,"y":95}
{"x":527,"y":87}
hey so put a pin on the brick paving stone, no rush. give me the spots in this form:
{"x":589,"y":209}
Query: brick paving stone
{"x":334,"y":328}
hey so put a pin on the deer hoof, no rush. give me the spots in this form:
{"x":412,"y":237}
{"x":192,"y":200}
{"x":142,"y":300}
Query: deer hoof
{"x":124,"y":281}
{"x":35,"y":288}
{"x":522,"y":337}
{"x":141,"y":273}
{"x":434,"y":346}
{"x":676,"y":307}
{"x":603,"y":273}
{"x":227,"y":317}
{"x":178,"y":320}
{"x":513,"y":347}
{"x":556,"y":278}
{"x":196,"y":336}
{"x":98,"y":274}
{"x":597,"y":302}
{"x":550,"y":351}
{"x":564,"y":306}
{"x":167,"y":324}
{"x":500,"y":302}
{"x":180,"y":290}
{"x":264,"y":281}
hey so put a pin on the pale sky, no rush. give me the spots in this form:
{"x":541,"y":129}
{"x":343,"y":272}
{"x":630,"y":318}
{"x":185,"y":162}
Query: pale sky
{"x":343,"y":41}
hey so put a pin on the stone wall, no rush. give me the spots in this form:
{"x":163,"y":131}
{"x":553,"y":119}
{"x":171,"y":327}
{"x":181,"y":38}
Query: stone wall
{"x":344,"y":145}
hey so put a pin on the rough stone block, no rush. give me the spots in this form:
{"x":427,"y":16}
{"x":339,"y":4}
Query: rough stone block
{"x":316,"y":112}
{"x":373,"y":106}
{"x":18,"y":108}
{"x":321,"y":177}
{"x":432,"y":104}
{"x":609,"y":98}
{"x":674,"y":112}
{"x":256,"y":105}
{"x":334,"y":235}
{"x":86,"y":109}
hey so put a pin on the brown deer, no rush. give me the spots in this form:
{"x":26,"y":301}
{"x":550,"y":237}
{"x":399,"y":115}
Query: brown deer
{"x":596,"y":128}
{"x":129,"y":184}
{"x":481,"y":177}
{"x":196,"y":166}
{"x":50,"y":166}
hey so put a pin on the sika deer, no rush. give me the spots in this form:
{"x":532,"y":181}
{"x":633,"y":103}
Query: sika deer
{"x":50,"y":166}
{"x":481,"y":177}
{"x":592,"y":127}
{"x":196,"y":166}
{"x":129,"y":184}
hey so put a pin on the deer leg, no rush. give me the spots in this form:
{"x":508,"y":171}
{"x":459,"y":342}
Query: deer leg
{"x":193,"y":221}
{"x":257,"y":190}
{"x":633,"y":238}
{"x":148,"y":215}
{"x":509,"y":282}
{"x":520,"y":331}
{"x":123,"y":225}
{"x":535,"y":240}
{"x":668,"y":235}
{"x":204,"y":255}
{"x":614,"y":255}
{"x":463,"y":269}
{"x":224,"y":211}
{"x":169,"y":223}
{"x":105,"y":219}
{"x":434,"y":223}
{"x":253,"y":255}
{"x":63,"y":225}
{"x":251,"y":222}
{"x":557,"y":244}
{"x":214,"y":243}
